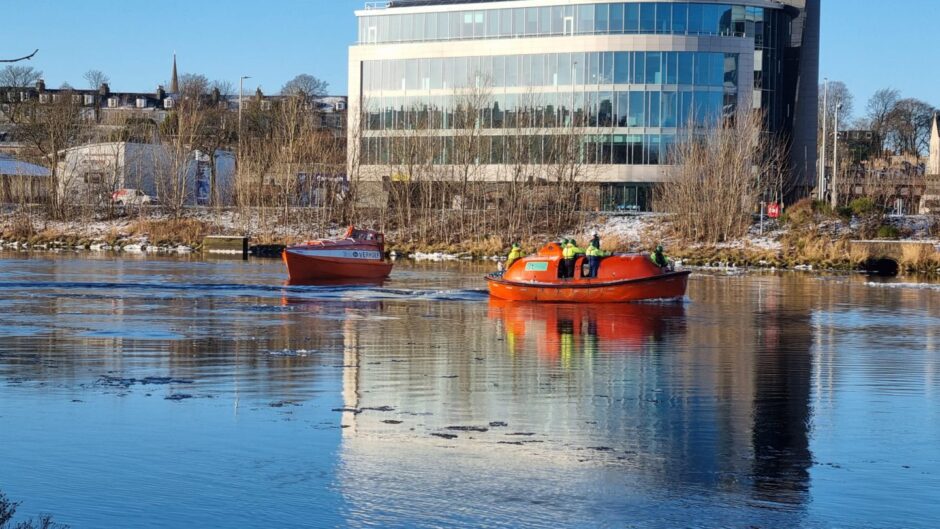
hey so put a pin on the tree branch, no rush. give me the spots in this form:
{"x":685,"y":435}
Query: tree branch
{"x":25,"y":58}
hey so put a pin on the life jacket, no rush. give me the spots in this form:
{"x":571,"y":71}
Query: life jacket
{"x":568,"y":252}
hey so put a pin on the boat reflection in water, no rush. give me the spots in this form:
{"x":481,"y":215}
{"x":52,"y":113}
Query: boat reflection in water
{"x":557,"y":330}
{"x":351,"y":282}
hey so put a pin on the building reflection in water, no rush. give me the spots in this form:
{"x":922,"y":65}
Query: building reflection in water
{"x":705,"y":396}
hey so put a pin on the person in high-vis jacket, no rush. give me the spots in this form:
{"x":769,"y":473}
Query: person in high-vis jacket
{"x":570,"y":255}
{"x":659,"y":258}
{"x":514,"y":255}
{"x":567,"y":259}
{"x":594,"y":256}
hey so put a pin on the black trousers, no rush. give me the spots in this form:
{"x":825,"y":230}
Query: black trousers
{"x":567,"y":267}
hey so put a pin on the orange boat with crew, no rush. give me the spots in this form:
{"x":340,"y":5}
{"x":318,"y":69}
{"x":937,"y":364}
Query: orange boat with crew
{"x":619,"y":278}
{"x":358,"y":255}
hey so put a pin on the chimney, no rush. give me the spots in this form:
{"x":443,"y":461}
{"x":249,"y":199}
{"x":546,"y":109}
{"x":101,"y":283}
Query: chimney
{"x":40,"y":86}
{"x":258,"y":94}
{"x":161,"y":93}
{"x":104,"y":90}
{"x":216,"y":96}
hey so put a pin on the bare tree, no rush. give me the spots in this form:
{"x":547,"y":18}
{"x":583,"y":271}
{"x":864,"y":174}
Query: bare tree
{"x":95,"y":78}
{"x":718,"y":178}
{"x":878,"y":112}
{"x":305,"y":84}
{"x":19,"y":76}
{"x":909,"y":126}
{"x":47,"y":129}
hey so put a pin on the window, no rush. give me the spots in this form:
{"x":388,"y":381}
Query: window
{"x":695,"y":19}
{"x":647,"y":18}
{"x":623,"y":105}
{"x":653,"y":68}
{"x":671,"y":67}
{"x":418,"y":32}
{"x":616,"y":18}
{"x":558,"y":20}
{"x":586,"y":19}
{"x":637,"y":106}
{"x":653,"y":98}
{"x":505,"y":23}
{"x":680,"y":16}
{"x":663,"y":18}
{"x":631,"y":18}
{"x":685,"y":68}
{"x":545,"y":21}
{"x":532,"y":21}
{"x":492,"y":23}
{"x":669,"y":102}
{"x":639,"y":68}
{"x":518,"y":22}
{"x":622,"y":67}
{"x":601,"y":19}
{"x":607,"y":68}
{"x":478,"y":24}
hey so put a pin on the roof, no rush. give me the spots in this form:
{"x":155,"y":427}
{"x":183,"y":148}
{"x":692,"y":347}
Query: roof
{"x":13,"y":167}
{"x":416,"y":3}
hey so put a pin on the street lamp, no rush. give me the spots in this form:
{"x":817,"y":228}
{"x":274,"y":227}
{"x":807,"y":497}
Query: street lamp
{"x":821,"y":184}
{"x":241,"y":81}
{"x":835,"y":159}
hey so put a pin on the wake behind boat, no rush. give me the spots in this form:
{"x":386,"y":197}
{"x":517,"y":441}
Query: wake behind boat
{"x":620,"y":278}
{"x":358,"y":255}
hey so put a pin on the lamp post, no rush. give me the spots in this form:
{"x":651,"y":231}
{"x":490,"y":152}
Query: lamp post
{"x":821,"y":184}
{"x":835,"y":159}
{"x":241,"y":81}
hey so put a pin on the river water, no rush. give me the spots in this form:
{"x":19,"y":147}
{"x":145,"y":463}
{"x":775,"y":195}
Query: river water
{"x":159,"y":392}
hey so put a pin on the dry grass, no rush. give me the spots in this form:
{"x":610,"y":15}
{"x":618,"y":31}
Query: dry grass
{"x":919,"y":258}
{"x":173,"y":231}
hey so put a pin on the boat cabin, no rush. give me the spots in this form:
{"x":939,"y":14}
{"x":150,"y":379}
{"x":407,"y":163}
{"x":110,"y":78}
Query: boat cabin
{"x":545,"y":267}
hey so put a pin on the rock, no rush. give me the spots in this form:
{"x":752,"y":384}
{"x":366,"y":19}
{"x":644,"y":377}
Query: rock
{"x":444,"y":435}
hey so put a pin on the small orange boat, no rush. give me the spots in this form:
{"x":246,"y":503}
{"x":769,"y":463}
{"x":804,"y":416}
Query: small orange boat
{"x":620,"y":278}
{"x":360,"y":254}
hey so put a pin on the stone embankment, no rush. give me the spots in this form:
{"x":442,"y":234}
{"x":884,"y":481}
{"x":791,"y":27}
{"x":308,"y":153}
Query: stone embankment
{"x":823,"y":244}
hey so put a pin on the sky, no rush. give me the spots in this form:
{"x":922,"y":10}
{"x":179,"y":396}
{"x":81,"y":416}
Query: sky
{"x":867,"y":44}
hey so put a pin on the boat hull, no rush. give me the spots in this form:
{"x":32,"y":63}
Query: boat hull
{"x":309,"y":266}
{"x":670,"y":285}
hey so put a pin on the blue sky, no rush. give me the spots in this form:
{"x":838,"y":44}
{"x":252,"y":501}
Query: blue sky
{"x":868,"y":44}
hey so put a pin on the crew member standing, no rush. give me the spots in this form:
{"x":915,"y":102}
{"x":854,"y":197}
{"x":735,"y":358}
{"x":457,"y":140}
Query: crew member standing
{"x":594,"y":256}
{"x":514,"y":255}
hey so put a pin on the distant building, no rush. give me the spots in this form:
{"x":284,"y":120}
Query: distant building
{"x":628,"y":76}
{"x":931,"y":200}
{"x":91,"y":173}
{"x":21,"y":181}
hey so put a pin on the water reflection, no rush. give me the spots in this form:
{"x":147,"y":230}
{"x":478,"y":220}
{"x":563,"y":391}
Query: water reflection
{"x":419,"y":403}
{"x":558,"y":330}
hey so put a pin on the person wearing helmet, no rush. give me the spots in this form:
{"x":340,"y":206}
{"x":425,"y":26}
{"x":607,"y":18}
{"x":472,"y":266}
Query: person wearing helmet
{"x":514,"y":255}
{"x":596,"y":241}
{"x":594,"y":256}
{"x":659,"y":258}
{"x":566,"y":269}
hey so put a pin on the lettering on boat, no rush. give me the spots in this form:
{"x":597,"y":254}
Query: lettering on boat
{"x":370,"y":255}
{"x":536,"y":266}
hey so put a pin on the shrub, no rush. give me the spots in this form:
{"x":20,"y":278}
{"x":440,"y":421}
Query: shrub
{"x":887,"y":231}
{"x":863,"y":206}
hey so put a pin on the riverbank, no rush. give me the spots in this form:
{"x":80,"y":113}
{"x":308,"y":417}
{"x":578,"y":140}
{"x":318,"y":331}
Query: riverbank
{"x":815,"y":242}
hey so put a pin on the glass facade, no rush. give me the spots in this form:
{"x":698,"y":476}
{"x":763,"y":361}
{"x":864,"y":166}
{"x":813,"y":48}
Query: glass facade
{"x":647,"y":18}
{"x":626,"y":106}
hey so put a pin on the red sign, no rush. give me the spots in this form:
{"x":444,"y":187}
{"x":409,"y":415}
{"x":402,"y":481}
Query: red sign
{"x":773,"y":210}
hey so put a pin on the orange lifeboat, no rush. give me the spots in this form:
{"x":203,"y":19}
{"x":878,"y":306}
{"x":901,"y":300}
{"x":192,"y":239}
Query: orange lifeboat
{"x":620,"y":278}
{"x":359,"y":255}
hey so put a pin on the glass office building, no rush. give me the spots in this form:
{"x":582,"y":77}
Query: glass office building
{"x":628,"y":78}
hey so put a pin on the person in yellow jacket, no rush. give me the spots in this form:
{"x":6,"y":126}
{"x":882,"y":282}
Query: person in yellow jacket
{"x":594,"y":256}
{"x":570,"y":256}
{"x":514,"y":255}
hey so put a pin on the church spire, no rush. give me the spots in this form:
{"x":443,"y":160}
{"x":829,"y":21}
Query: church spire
{"x":174,"y":80}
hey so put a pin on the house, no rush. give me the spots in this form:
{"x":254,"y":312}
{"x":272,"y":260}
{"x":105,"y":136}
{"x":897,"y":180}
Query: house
{"x":21,"y":182}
